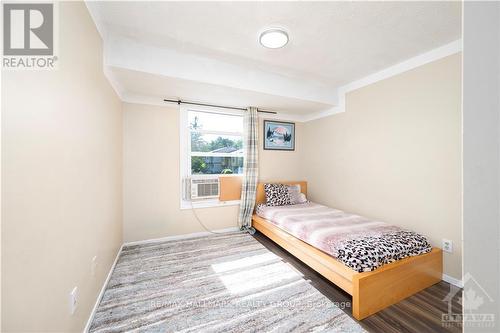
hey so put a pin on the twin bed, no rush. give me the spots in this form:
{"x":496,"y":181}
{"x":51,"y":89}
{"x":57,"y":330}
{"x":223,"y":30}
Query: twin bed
{"x":348,"y":249}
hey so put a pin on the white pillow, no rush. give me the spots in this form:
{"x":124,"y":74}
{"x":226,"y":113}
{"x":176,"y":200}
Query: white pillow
{"x":302,"y":198}
{"x":296,"y":197}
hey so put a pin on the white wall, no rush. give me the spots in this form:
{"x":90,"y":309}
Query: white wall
{"x":394,"y":155}
{"x":481,"y":149}
{"x":61,"y":182}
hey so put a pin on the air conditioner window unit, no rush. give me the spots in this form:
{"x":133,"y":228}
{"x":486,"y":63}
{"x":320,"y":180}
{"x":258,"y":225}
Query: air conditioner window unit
{"x":204,"y":187}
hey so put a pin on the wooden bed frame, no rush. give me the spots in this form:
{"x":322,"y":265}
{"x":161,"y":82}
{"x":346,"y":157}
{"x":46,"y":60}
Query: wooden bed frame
{"x":370,"y":291}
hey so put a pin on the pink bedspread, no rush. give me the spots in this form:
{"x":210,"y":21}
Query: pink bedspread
{"x":359,"y":242}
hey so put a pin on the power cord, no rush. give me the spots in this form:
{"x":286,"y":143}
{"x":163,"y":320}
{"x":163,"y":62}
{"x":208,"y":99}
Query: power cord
{"x":250,"y":230}
{"x":200,"y":222}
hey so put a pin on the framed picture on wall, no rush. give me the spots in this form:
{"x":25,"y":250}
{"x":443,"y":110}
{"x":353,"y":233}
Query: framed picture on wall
{"x":279,"y":135}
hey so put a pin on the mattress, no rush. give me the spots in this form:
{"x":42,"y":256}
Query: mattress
{"x":360,"y":243}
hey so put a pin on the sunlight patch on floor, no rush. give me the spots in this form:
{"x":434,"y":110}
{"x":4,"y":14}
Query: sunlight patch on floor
{"x":251,"y":279}
{"x":244,"y":262}
{"x":267,"y":292}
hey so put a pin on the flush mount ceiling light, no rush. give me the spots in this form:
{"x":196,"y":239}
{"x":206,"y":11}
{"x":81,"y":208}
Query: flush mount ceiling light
{"x":273,"y":38}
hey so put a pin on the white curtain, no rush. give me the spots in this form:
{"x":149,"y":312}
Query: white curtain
{"x":250,"y":169}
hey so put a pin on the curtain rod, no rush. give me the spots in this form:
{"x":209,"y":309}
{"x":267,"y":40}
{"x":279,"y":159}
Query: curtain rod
{"x":178,"y":101}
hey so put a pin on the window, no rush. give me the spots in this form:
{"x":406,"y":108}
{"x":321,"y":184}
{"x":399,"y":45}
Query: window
{"x":216,"y":143}
{"x":211,"y":144}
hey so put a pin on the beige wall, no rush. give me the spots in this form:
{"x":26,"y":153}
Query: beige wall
{"x":61,"y":182}
{"x":151,"y":176}
{"x":395,"y":154}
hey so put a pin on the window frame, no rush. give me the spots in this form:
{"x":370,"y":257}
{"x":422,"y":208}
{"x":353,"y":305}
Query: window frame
{"x":186,"y":154}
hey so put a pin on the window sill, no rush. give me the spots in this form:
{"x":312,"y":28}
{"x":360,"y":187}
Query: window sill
{"x":208,"y":203}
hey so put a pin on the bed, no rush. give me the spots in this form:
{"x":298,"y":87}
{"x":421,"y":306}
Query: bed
{"x":371,"y":291}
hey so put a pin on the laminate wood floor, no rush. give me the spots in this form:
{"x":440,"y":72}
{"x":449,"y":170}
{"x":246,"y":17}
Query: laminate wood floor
{"x":419,"y":313}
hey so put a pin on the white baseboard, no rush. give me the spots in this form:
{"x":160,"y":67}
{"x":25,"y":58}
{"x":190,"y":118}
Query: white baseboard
{"x":101,"y":293}
{"x":184,"y":236}
{"x":453,"y":281}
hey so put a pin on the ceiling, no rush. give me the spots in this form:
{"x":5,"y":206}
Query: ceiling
{"x":137,"y":84}
{"x":331,"y":44}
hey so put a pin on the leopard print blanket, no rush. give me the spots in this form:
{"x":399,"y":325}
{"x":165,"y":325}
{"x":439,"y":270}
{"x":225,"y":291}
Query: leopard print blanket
{"x":367,"y":253}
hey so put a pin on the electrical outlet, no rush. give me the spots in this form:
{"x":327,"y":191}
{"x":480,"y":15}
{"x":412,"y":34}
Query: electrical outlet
{"x":73,"y":300}
{"x":93,"y":266}
{"x":447,"y":245}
